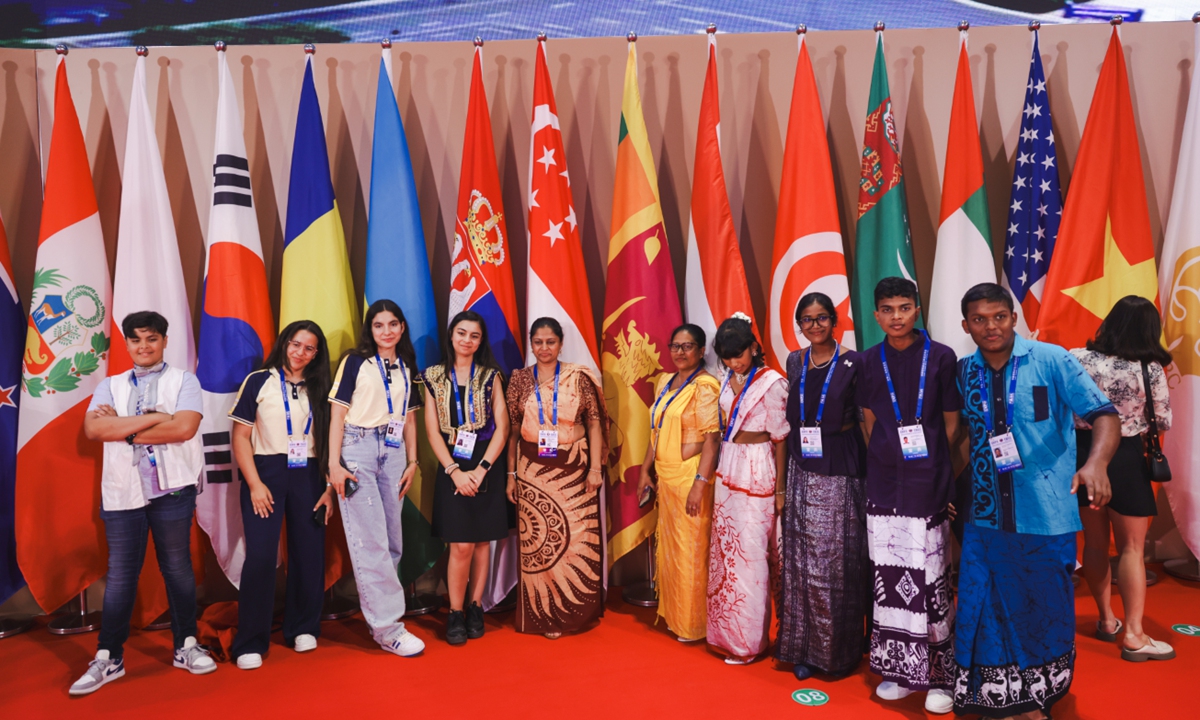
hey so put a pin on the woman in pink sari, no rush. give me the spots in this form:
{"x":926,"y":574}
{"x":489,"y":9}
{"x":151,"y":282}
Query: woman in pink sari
{"x":748,"y":490}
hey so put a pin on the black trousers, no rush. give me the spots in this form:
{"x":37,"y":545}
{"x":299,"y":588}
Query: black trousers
{"x":295,"y":492}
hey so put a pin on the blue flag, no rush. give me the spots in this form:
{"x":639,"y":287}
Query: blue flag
{"x":12,"y":344}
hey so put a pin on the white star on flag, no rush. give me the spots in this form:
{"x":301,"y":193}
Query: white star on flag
{"x":533,"y":199}
{"x":571,"y":217}
{"x":547,"y":158}
{"x":554,"y":233}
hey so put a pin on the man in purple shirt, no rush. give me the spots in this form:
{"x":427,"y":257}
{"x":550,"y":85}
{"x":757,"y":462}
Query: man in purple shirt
{"x":909,"y":396}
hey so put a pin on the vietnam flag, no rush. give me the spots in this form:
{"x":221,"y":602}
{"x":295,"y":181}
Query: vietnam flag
{"x":558,"y":285}
{"x":808,"y":254}
{"x":1104,"y":250}
{"x":641,"y":308}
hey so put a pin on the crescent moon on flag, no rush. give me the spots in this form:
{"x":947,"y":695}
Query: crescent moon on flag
{"x":823,"y":270}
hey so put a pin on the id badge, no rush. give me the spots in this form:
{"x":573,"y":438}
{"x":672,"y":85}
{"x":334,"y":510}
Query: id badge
{"x":547,"y":443}
{"x":912,"y":442}
{"x":464,"y":445}
{"x":395,"y":434}
{"x":297,"y":453}
{"x":1005,"y":453}
{"x":810,"y":442}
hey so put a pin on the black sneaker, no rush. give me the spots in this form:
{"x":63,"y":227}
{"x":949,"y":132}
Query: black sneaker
{"x":456,"y":628}
{"x":474,"y":621}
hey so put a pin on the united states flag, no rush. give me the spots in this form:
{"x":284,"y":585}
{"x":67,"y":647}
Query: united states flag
{"x":1036,"y":207}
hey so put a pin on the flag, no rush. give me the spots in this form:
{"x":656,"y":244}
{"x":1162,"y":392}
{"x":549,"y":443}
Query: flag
{"x":716,"y":278}
{"x":808,"y":254}
{"x":60,"y":542}
{"x":1179,"y":283}
{"x":1036,"y":207}
{"x":557,"y":279}
{"x":641,"y":308}
{"x":237,"y":327}
{"x":882,"y":245}
{"x":12,"y":331}
{"x":481,"y":271}
{"x":1104,"y":249}
{"x":398,"y":269}
{"x":963,"y":255}
{"x":316,"y":269}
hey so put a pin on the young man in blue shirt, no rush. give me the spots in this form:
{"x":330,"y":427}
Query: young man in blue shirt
{"x":1015,"y":641}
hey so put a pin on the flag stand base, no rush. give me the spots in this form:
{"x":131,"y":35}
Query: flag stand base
{"x":645,"y":593}
{"x":1183,"y":568}
{"x":416,"y":603}
{"x":1151,"y":576}
{"x":78,"y":622}
{"x":14,"y":626}
{"x":337,"y":607}
{"x":163,"y":622}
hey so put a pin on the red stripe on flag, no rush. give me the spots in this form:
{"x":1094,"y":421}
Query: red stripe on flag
{"x":70,"y":195}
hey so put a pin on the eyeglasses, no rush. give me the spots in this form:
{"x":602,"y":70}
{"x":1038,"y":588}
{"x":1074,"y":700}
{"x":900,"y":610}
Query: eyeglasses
{"x":807,"y":321}
{"x":302,"y":348}
{"x":686,"y":347}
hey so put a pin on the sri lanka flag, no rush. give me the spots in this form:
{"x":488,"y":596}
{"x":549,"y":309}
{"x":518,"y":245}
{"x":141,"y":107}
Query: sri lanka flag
{"x":236,"y":325}
{"x":12,"y":331}
{"x":481,"y":269}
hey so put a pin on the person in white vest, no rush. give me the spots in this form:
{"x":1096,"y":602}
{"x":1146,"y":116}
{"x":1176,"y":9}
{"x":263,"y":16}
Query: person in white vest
{"x":147,"y":419}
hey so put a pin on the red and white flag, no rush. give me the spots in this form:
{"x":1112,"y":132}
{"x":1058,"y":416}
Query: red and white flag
{"x":60,"y":544}
{"x":808,"y":254}
{"x":716,"y":278}
{"x":557,"y":279}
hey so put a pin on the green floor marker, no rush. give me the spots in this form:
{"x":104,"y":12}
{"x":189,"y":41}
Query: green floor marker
{"x":1189,"y":630}
{"x":813,"y":698}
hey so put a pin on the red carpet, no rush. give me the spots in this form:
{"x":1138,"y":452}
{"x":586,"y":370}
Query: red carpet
{"x":624,"y":668}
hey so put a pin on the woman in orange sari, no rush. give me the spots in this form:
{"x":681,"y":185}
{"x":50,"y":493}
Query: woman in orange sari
{"x":555,"y":473}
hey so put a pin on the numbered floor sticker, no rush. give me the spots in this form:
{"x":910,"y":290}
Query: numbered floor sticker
{"x":810,"y":697}
{"x":1189,"y":630}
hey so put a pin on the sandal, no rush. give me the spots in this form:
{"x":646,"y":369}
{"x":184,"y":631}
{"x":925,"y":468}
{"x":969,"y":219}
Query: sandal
{"x":1153,"y":650}
{"x":1107,"y":636}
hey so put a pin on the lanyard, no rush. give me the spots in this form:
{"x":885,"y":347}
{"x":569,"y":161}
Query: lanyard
{"x":824,"y":388}
{"x":387,"y":385}
{"x":470,"y":395}
{"x":654,"y":410}
{"x":287,"y":408}
{"x":537,"y":389}
{"x":892,"y":388}
{"x":738,"y":404}
{"x":149,"y":448}
{"x":986,"y":392}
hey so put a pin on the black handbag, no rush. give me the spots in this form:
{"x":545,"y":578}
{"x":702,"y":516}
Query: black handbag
{"x":1156,"y":462}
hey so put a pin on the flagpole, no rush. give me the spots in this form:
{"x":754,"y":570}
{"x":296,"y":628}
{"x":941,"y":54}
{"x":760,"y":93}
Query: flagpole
{"x":75,"y":623}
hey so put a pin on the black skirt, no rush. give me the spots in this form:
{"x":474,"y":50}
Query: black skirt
{"x":485,"y":517}
{"x":1132,"y":492}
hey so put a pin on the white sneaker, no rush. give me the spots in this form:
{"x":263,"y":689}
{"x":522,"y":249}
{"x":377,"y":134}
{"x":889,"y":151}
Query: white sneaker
{"x":889,"y":690}
{"x":249,"y":661}
{"x":939,"y":702}
{"x":195,"y":659}
{"x":405,"y":644}
{"x":305,"y":643}
{"x":101,"y":671}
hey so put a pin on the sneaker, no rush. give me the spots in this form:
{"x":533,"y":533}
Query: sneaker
{"x":101,"y":671}
{"x":456,"y":628}
{"x":474,"y":621}
{"x":194,"y":658}
{"x":1153,"y":650}
{"x":939,"y":702}
{"x":405,"y":644}
{"x":249,"y":661}
{"x":889,"y":690}
{"x":304,"y":643}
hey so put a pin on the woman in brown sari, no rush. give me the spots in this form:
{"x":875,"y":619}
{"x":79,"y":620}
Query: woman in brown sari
{"x":555,"y":472}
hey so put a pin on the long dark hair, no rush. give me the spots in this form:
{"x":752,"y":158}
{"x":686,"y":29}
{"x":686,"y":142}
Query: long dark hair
{"x":483,"y":354}
{"x":366,"y":339}
{"x":1132,"y":331}
{"x":733,"y":338}
{"x":317,"y":380}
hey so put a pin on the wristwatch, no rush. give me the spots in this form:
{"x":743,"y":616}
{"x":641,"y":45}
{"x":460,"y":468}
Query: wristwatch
{"x":485,"y":464}
{"x":129,"y":438}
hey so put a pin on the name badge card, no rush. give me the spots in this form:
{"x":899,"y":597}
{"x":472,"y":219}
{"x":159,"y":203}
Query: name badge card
{"x":1005,"y":453}
{"x":547,"y":443}
{"x":395,"y":433}
{"x":464,"y":445}
{"x":810,"y":442}
{"x":298,"y":453}
{"x":912,"y":442}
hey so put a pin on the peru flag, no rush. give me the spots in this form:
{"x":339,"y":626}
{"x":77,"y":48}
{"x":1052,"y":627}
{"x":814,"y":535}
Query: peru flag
{"x":558,"y":286}
{"x":716,"y":278}
{"x":60,"y":542}
{"x":236,"y":325}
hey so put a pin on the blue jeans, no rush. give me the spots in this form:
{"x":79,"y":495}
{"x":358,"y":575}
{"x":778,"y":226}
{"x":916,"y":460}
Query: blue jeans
{"x":371,"y":519}
{"x":169,"y":518}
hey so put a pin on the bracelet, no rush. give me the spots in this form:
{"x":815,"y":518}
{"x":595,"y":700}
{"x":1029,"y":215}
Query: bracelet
{"x":512,"y":473}
{"x":595,"y":470}
{"x":781,"y":492}
{"x":410,"y":464}
{"x":485,"y":464}
{"x":700,"y":478}
{"x":451,"y":468}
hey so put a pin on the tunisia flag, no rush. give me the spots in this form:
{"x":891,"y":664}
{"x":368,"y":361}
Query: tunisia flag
{"x":808,"y":254}
{"x":1104,"y":250}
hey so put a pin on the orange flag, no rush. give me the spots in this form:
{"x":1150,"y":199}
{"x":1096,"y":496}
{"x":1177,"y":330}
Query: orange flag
{"x":1104,"y":250}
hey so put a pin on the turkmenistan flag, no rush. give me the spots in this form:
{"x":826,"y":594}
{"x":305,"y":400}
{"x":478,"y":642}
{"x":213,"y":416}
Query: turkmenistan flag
{"x":963,"y":256}
{"x":883,"y":245}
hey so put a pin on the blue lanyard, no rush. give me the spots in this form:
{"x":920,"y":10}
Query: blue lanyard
{"x":824,"y":388}
{"x":138,"y":410}
{"x":537,"y":389}
{"x":287,"y":408}
{"x":654,"y":410}
{"x":892,"y":388}
{"x":738,"y":404}
{"x":470,"y":395}
{"x":387,"y":384}
{"x":986,"y":392}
